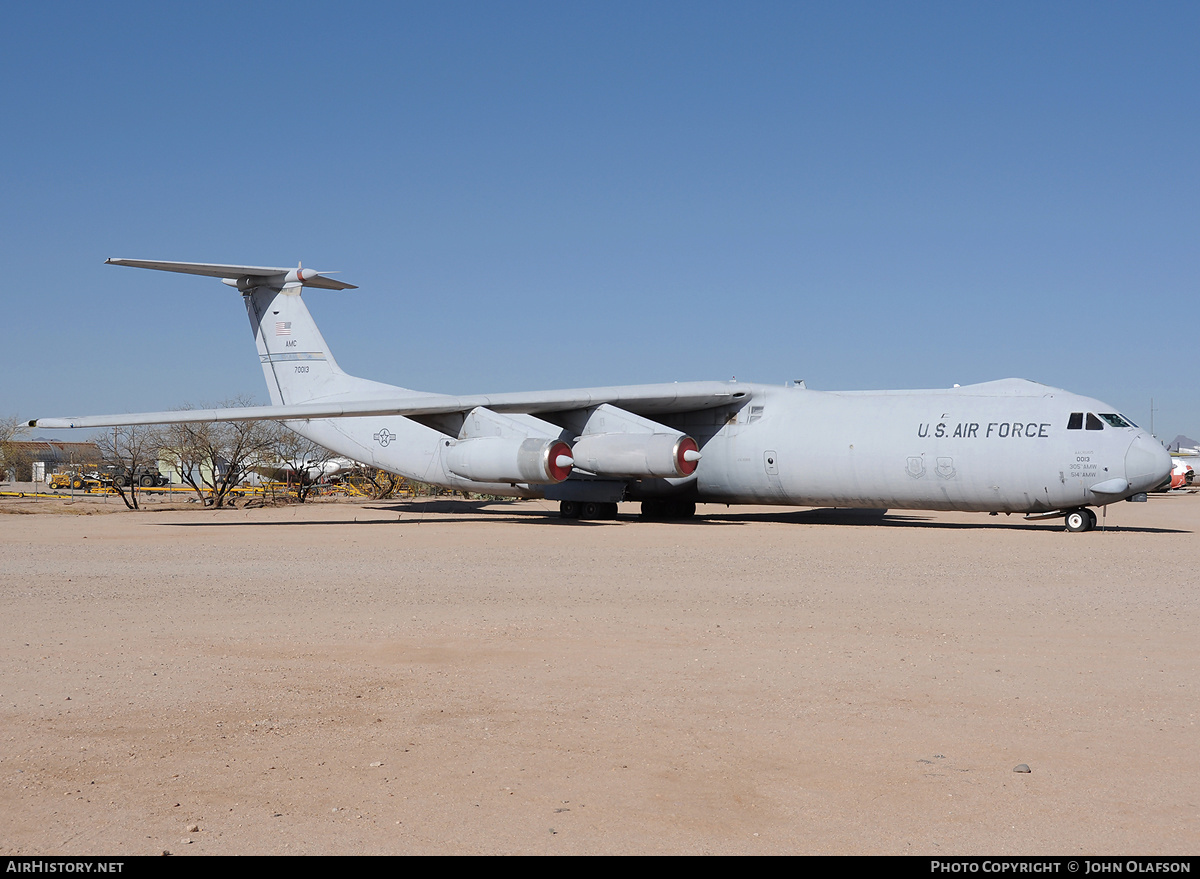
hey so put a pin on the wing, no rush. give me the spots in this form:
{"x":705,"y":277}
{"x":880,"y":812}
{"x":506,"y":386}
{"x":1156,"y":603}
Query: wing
{"x":640,"y":399}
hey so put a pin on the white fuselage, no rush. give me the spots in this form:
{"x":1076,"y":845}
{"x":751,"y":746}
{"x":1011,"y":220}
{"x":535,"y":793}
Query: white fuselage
{"x":1001,"y":446}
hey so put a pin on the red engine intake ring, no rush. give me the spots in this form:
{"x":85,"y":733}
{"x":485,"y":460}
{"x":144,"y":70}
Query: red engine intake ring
{"x":558,"y":474}
{"x":687,"y":444}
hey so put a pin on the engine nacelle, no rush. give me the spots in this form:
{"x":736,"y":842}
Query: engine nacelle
{"x":510,"y":459}
{"x":663,"y":455}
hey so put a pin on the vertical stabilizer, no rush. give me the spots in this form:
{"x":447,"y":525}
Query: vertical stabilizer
{"x":295,"y":359}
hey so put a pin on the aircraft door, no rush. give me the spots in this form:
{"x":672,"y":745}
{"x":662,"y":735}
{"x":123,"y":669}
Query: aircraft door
{"x":771,"y":465}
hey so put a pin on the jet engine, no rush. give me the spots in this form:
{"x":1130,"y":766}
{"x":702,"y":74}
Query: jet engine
{"x":510,"y":459}
{"x":663,"y":455}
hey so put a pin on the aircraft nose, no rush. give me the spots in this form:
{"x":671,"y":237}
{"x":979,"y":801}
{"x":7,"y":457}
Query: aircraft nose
{"x":1147,"y":463}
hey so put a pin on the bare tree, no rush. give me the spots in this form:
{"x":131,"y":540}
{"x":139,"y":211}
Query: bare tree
{"x":11,"y":458}
{"x":129,"y":451}
{"x":381,"y":485}
{"x":302,"y":460}
{"x":213,"y":457}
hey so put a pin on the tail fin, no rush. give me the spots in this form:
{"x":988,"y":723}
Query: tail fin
{"x":295,"y":359}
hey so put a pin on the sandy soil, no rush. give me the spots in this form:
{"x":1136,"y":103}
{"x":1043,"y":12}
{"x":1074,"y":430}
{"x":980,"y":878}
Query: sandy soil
{"x":462,"y":678}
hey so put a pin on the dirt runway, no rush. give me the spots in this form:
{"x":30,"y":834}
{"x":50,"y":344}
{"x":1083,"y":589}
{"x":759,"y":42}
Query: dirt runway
{"x":389,"y":678}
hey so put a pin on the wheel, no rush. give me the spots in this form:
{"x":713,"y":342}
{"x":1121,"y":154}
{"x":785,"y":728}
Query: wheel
{"x":122,"y":481}
{"x":1079,"y":520}
{"x":1092,"y":516}
{"x":77,"y":484}
{"x":592,"y":510}
{"x":668,"y":510}
{"x":608,"y":511}
{"x":569,"y":509}
{"x":652,"y":511}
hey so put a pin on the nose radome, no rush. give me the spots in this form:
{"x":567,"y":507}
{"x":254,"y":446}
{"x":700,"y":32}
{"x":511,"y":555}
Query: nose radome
{"x":1147,"y":463}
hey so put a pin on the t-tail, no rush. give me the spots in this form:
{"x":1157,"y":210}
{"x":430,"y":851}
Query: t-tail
{"x":296,"y":361}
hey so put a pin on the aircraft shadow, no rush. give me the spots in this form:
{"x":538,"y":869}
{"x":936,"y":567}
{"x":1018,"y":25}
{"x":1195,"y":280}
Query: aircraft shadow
{"x":907,"y":520}
{"x":451,"y":512}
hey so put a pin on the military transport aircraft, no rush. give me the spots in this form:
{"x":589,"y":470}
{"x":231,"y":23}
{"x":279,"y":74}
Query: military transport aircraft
{"x":1010,"y":446}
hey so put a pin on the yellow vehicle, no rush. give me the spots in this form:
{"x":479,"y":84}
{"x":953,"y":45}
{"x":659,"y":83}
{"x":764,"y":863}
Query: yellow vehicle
{"x":73,"y":481}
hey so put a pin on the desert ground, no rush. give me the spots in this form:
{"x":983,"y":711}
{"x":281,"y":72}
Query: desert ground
{"x":462,"y":677}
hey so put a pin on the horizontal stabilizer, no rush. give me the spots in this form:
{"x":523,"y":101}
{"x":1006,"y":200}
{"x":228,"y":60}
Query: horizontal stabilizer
{"x":271,"y":276}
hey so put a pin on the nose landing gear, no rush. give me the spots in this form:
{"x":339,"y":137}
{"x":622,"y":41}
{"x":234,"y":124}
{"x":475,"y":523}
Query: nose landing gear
{"x":1082,"y":519}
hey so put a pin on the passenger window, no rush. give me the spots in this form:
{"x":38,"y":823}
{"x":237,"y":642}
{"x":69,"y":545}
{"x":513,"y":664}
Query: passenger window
{"x":1075,"y":422}
{"x":1093,"y":423}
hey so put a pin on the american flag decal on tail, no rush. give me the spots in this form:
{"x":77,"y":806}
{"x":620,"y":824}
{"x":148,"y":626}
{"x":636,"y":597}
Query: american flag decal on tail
{"x":283,"y":327}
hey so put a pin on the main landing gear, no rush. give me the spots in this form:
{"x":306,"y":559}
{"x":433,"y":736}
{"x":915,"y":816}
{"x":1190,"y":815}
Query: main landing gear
{"x":586,"y":510}
{"x":1082,"y":519}
{"x":652,"y":511}
{"x":667,"y":510}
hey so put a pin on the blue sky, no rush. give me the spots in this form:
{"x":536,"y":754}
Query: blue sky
{"x":553,"y":195}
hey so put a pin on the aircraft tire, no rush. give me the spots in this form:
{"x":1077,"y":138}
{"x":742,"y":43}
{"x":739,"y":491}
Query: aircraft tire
{"x":592,"y":510}
{"x":1079,"y":520}
{"x":569,"y":509}
{"x":668,"y":510}
{"x":1092,"y":516}
{"x":609,"y":511}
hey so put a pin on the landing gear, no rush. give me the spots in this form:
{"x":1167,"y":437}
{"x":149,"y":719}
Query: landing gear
{"x":586,"y":510}
{"x":1082,"y":519}
{"x":667,"y":510}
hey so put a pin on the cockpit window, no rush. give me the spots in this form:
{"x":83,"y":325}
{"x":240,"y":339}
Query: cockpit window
{"x":1093,"y":423}
{"x":1115,"y":420}
{"x":1075,"y":422}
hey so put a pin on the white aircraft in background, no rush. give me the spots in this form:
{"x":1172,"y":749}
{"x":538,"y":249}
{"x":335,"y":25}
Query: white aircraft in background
{"x":308,"y":470}
{"x":1011,"y":446}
